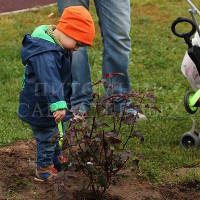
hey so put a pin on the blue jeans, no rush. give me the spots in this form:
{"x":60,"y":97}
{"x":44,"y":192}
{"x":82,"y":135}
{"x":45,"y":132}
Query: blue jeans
{"x":114,"y":21}
{"x":46,"y":151}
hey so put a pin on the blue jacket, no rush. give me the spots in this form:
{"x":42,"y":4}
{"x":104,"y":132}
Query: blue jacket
{"x":47,"y":79}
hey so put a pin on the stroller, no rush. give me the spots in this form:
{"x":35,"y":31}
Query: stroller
{"x":191,"y":70}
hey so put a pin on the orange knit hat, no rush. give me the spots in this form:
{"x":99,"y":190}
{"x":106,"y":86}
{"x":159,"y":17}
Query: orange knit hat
{"x":77,"y":23}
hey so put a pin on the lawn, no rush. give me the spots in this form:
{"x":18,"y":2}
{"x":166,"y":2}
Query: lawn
{"x":154,"y":63}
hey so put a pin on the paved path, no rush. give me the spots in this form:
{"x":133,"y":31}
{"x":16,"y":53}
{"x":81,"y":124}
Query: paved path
{"x":14,"y":5}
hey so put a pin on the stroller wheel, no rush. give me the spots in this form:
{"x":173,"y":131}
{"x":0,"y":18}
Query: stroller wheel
{"x":189,"y":109}
{"x":190,"y":139}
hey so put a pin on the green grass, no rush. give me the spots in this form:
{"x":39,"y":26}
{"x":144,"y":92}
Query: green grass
{"x":154,"y":63}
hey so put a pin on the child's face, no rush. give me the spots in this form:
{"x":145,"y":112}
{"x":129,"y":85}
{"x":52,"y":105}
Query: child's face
{"x":69,"y":43}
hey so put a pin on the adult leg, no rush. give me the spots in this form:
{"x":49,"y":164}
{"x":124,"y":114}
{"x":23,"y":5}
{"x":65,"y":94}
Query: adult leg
{"x":81,"y":79}
{"x":114,"y":21}
{"x":62,"y":4}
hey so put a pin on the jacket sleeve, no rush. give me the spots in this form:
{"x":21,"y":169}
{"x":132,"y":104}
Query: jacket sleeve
{"x":47,"y":71}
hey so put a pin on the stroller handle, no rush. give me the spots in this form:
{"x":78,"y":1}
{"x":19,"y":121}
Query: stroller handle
{"x":185,"y":35}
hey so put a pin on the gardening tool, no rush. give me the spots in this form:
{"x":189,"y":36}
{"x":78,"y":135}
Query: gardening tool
{"x":192,"y":99}
{"x":192,"y":137}
{"x":60,"y":128}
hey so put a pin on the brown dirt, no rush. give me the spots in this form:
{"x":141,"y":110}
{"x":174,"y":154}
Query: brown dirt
{"x":17,"y":164}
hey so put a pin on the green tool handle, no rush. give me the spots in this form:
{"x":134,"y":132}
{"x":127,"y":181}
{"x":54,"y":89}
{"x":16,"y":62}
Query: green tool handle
{"x":60,"y":128}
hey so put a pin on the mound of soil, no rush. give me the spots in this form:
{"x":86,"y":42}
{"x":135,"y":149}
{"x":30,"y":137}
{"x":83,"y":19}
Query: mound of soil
{"x":17,"y":164}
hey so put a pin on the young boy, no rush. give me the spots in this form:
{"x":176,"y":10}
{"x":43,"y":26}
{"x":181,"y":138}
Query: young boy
{"x":46,"y":87}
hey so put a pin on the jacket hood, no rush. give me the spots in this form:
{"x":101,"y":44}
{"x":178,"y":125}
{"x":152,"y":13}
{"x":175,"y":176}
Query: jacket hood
{"x":38,"y":42}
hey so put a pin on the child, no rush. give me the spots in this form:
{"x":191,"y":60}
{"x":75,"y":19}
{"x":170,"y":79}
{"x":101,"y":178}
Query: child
{"x":46,"y":87}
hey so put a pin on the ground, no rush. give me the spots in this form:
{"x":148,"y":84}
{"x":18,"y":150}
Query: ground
{"x":17,"y":163}
{"x":10,"y":5}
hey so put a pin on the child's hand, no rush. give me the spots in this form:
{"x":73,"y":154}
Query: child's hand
{"x":59,"y":115}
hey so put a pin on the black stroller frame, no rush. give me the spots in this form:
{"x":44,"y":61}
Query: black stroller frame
{"x":191,"y":99}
